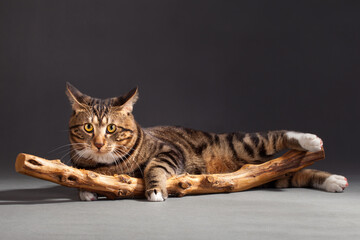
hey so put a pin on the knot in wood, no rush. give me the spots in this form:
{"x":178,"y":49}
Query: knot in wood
{"x":230,"y":187}
{"x":180,"y":194}
{"x":184,"y":185}
{"x":92,"y":175}
{"x":63,"y":177}
{"x":124,"y":179}
{"x":123,"y":192}
{"x":60,"y":177}
{"x":34,"y":162}
{"x":210,"y":179}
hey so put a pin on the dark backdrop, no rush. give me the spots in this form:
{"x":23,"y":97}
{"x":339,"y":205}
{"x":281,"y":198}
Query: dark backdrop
{"x":217,"y":66}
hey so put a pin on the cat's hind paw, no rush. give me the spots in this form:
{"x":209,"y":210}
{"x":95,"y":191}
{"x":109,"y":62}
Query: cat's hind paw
{"x":87,"y":196}
{"x":334,"y":183}
{"x":307,"y":141}
{"x":311,"y":142}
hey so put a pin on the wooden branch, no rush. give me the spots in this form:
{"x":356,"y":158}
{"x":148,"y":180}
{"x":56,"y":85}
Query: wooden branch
{"x":120,"y":186}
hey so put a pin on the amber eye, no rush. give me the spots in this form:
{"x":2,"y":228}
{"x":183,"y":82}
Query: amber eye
{"x":110,"y":128}
{"x":88,"y":127}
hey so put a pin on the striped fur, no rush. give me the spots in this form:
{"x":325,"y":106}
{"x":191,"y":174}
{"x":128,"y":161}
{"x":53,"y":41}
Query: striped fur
{"x":161,"y":152}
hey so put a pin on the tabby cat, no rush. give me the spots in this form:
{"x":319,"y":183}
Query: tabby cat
{"x":106,"y":138}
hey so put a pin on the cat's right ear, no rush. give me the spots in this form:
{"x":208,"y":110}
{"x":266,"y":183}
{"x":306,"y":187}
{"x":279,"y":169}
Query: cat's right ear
{"x":76,"y":98}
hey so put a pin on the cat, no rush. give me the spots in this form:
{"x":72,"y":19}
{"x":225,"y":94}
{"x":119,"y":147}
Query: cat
{"x":105,"y":138}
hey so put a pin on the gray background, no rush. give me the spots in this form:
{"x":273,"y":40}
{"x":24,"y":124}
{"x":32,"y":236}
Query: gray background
{"x":217,"y":66}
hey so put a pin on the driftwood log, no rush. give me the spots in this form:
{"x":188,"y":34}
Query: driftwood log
{"x":121,"y":186}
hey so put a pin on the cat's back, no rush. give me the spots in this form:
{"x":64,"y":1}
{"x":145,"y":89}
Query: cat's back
{"x":178,"y":133}
{"x":191,"y":143}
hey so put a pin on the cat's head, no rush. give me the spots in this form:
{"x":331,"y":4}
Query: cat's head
{"x":101,"y":130}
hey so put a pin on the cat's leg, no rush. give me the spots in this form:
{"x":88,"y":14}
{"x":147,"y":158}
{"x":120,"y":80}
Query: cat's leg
{"x":260,"y":147}
{"x":158,"y":170}
{"x":87,"y":196}
{"x":313,"y":179}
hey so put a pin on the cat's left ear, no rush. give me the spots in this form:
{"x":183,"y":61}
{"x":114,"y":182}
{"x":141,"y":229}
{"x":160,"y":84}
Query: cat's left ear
{"x":126,"y":103}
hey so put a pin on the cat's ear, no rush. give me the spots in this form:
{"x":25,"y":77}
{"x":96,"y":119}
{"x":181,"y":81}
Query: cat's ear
{"x":78,"y":100}
{"x":126,"y":103}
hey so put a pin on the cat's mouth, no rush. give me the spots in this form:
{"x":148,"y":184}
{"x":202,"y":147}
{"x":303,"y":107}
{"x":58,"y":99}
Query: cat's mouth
{"x":100,"y":151}
{"x":103,"y":156}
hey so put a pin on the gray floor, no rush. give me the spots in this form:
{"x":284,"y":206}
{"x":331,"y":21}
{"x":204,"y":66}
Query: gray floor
{"x":36,"y":209}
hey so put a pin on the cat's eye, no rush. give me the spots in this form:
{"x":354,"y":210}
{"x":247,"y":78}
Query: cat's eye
{"x":88,"y":127}
{"x":110,"y":128}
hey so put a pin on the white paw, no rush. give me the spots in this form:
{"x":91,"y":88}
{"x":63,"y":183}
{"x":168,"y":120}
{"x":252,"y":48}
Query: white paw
{"x":334,"y":183}
{"x":308,"y":141}
{"x":87,"y":196}
{"x":156,"y":197}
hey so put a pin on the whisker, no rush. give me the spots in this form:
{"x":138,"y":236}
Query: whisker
{"x":119,"y":164}
{"x":132,"y":160}
{"x":123,"y":160}
{"x":79,"y":154}
{"x":70,"y":159}
{"x":66,"y":145}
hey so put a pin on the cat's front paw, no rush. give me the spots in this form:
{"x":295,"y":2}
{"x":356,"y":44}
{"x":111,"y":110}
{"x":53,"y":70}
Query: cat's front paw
{"x":87,"y":196}
{"x":155,"y":195}
{"x":334,"y":183}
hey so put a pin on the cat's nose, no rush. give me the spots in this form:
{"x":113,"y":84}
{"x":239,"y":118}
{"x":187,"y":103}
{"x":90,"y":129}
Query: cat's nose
{"x":99,"y":145}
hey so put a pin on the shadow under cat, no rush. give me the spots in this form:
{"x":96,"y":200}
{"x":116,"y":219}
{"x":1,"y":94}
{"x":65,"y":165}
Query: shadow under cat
{"x":43,"y":195}
{"x":55,"y":194}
